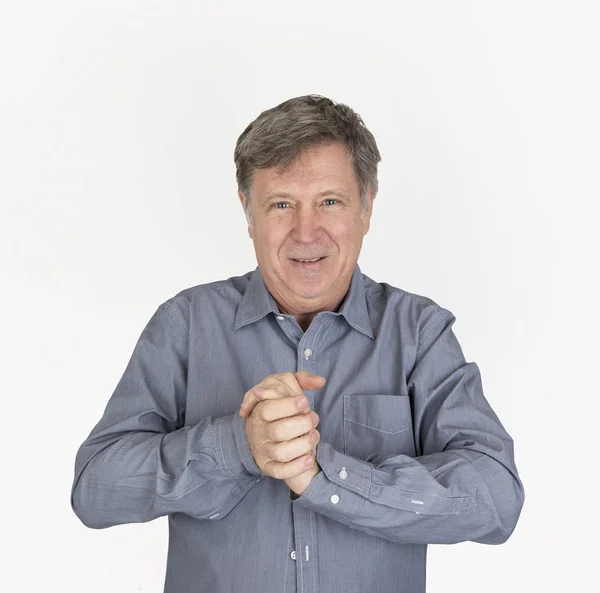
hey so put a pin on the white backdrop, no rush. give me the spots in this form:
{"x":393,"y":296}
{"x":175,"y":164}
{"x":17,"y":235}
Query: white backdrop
{"x":118,"y":121}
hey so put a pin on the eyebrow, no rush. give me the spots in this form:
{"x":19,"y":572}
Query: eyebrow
{"x":328,"y":192}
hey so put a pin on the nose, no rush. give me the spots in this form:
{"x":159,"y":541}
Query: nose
{"x":307,"y":225}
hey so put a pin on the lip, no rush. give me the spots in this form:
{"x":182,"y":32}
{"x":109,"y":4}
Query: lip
{"x":308,"y":264}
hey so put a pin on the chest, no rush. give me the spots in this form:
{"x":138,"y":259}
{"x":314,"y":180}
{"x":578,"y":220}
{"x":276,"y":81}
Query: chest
{"x":364,"y":407}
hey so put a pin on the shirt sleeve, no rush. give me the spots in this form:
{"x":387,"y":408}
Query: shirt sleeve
{"x":140,"y":462}
{"x":463,"y":485}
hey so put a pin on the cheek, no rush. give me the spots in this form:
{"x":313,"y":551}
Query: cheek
{"x":346,"y":235}
{"x":270,"y":238}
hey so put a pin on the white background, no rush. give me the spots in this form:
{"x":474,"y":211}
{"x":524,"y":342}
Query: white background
{"x":118,"y":121}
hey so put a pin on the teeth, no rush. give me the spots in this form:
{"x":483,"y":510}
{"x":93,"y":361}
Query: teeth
{"x":309,"y":260}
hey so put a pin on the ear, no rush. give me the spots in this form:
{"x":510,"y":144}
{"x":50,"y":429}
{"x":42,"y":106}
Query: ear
{"x":242,"y":198}
{"x":367,"y":216}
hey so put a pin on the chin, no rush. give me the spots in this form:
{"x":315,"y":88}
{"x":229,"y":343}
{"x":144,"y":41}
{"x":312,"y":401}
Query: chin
{"x":307,"y":288}
{"x":308,"y":293}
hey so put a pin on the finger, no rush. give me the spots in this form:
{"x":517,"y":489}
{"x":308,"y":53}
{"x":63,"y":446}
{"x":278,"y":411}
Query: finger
{"x":290,"y":428}
{"x":308,"y":381}
{"x":289,"y":450}
{"x":300,"y":381}
{"x":288,"y":380}
{"x":290,"y":469}
{"x":294,"y":383}
{"x":258,"y":394}
{"x":283,"y":384}
{"x":275,"y":409}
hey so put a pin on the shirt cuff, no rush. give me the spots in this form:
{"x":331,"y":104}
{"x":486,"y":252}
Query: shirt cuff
{"x":340,"y":489}
{"x":233,"y":449}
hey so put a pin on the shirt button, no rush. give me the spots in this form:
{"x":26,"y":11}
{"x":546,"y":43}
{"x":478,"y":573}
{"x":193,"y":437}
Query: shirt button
{"x":334,"y":499}
{"x":308,"y":353}
{"x":280,"y":317}
{"x":343,"y":474}
{"x":293,"y":555}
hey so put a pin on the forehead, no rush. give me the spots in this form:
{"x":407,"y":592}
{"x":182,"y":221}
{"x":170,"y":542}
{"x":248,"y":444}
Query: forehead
{"x":316,"y":168}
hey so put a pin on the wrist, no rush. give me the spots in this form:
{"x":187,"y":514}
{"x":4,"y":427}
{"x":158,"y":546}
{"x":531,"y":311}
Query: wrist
{"x":299,"y":484}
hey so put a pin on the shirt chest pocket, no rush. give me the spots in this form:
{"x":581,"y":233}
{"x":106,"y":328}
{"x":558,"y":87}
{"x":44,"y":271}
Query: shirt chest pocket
{"x":377,"y":425}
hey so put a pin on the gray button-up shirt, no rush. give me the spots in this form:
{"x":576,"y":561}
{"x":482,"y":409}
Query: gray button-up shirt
{"x":411,"y":452}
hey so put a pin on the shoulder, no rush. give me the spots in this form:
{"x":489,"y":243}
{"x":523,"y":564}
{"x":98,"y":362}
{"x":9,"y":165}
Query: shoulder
{"x":416,"y":310}
{"x":204,"y":298}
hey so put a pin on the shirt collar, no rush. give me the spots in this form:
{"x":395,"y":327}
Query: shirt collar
{"x":258,"y":302}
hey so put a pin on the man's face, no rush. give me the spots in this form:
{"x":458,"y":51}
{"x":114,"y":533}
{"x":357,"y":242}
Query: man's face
{"x":312,"y":210}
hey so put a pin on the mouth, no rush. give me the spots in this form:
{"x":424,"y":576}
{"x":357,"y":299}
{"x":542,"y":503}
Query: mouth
{"x":308,"y":263}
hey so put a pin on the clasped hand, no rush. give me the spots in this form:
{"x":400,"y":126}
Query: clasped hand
{"x":281,"y":427}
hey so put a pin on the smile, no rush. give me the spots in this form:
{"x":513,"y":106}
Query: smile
{"x":308,"y":262}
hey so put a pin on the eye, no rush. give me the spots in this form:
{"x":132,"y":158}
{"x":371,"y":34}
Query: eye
{"x":277,"y":204}
{"x":331,"y":200}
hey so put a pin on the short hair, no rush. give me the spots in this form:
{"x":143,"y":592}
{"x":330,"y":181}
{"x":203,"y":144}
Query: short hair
{"x":278,"y":136}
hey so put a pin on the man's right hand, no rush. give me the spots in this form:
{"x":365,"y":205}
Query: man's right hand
{"x":281,"y":427}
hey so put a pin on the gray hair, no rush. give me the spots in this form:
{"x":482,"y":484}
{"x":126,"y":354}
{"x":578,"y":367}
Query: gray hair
{"x":278,"y":136}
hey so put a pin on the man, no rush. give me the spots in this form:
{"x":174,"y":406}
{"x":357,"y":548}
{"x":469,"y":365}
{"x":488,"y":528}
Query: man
{"x":303,"y":427}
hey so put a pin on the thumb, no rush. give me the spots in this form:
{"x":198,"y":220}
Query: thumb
{"x":308,"y":381}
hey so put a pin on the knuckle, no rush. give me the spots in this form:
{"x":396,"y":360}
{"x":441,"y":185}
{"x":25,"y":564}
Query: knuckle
{"x":262,"y":410}
{"x":269,"y":432}
{"x":279,"y":453}
{"x":288,"y":383}
{"x":280,"y":386}
{"x":276,"y":471}
{"x":252,"y":394}
{"x":277,"y":433}
{"x":271,"y":450}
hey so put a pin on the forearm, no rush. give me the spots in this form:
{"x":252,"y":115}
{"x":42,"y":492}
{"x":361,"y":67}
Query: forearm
{"x":444,"y":498}
{"x":202,"y":470}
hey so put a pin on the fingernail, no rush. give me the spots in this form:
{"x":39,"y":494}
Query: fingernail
{"x":315,"y":418}
{"x":302,"y":402}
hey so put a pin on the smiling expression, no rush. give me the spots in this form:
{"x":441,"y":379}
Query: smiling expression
{"x":311,"y":210}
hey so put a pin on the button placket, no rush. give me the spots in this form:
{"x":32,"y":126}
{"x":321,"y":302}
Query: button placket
{"x":307,"y":351}
{"x":305,"y":532}
{"x":307,"y":564}
{"x":310,"y":343}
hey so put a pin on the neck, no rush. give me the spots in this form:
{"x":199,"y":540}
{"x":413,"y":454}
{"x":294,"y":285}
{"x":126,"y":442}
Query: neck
{"x":304,"y":319}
